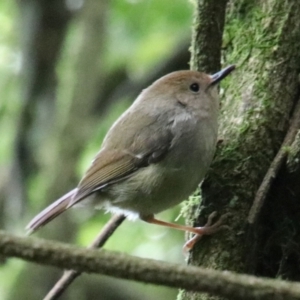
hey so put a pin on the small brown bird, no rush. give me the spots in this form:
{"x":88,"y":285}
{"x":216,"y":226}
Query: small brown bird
{"x":155,"y":155}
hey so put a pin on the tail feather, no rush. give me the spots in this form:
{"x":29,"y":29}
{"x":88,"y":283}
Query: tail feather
{"x":50,"y":212}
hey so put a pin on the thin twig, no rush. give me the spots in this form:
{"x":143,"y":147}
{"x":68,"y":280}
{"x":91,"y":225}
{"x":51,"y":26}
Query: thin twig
{"x":70,"y":275}
{"x":222,"y":283}
{"x":274,"y":167}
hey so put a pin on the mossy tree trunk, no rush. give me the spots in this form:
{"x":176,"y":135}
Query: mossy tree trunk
{"x":263,"y":39}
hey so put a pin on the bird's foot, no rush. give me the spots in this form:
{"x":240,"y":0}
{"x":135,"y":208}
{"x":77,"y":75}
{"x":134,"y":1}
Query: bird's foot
{"x":208,"y":229}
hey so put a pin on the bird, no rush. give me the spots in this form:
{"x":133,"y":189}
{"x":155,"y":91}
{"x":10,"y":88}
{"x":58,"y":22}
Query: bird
{"x":156,"y":153}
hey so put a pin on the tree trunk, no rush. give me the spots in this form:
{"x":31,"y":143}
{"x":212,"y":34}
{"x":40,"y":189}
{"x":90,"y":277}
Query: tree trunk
{"x":263,"y":39}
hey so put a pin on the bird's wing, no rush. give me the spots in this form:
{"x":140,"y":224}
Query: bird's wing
{"x":113,"y":165}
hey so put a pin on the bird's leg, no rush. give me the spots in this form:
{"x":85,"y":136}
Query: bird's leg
{"x":207,"y":229}
{"x":217,"y":226}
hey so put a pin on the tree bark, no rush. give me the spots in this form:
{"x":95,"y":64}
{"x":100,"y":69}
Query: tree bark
{"x":263,"y":39}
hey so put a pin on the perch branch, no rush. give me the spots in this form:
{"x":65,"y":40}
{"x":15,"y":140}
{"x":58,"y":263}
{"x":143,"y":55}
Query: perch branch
{"x":70,"y":275}
{"x":222,"y":283}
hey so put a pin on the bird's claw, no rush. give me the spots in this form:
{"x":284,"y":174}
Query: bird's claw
{"x":208,"y":229}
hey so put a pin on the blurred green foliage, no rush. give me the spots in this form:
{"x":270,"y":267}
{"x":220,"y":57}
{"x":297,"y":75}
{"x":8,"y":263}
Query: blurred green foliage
{"x":10,"y":61}
{"x":139,"y":35}
{"x":144,"y":32}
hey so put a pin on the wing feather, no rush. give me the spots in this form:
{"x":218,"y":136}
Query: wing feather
{"x":116,"y":162}
{"x":108,"y":166}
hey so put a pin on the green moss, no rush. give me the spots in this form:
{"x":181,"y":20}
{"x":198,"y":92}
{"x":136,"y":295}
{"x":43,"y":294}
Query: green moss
{"x":287,"y":149}
{"x":189,"y":207}
{"x":233,"y":201}
{"x":180,"y":295}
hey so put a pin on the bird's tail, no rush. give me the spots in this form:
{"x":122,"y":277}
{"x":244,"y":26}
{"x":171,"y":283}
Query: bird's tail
{"x":50,"y":212}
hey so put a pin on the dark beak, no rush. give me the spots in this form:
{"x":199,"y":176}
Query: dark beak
{"x":217,"y":77}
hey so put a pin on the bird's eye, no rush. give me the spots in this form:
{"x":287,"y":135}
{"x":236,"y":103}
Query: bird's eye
{"x":194,"y":87}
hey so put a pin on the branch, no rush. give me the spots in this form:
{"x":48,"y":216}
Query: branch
{"x":70,"y":275}
{"x":225,"y":284}
{"x":275,"y":166}
{"x":207,"y":35}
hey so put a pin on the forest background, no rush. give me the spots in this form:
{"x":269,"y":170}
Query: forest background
{"x":69,"y":68}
